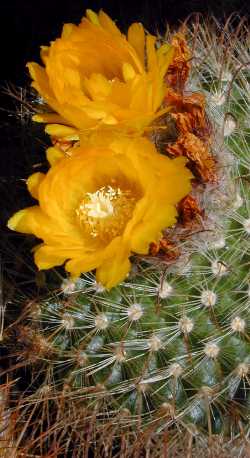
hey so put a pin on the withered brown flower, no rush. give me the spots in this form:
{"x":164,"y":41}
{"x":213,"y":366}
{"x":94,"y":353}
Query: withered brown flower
{"x":194,"y":140}
{"x":179,"y":69}
{"x":189,"y":211}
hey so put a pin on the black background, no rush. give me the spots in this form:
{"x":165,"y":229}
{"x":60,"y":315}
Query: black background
{"x":27,"y":24}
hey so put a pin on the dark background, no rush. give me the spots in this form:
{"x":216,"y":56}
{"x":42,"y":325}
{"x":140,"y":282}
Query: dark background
{"x":27,"y":24}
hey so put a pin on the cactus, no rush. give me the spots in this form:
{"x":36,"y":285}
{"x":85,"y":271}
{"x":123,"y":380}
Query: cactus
{"x":160,"y":363}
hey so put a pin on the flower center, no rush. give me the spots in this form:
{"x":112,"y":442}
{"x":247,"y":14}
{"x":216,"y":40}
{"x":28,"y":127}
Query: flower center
{"x":104,"y":214}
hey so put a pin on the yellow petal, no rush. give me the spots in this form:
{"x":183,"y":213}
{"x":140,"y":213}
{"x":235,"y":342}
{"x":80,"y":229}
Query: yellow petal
{"x":33,"y":183}
{"x":172,"y":171}
{"x":27,"y":221}
{"x":49,"y":118}
{"x":97,"y":86}
{"x":150,"y":228}
{"x":115,"y":268}
{"x":54,"y":154}
{"x":58,"y":130}
{"x":110,"y":120}
{"x":17,"y":222}
{"x":108,"y":24}
{"x":41,"y":82}
{"x":67,"y":30}
{"x":96,"y":112}
{"x":32,"y":220}
{"x":151,"y":52}
{"x":44,"y":52}
{"x":128,"y":72}
{"x":47,"y":257}
{"x":84,"y":263}
{"x":136,"y":37}
{"x":165,"y":56}
{"x":92,"y":16}
{"x":139,"y":101}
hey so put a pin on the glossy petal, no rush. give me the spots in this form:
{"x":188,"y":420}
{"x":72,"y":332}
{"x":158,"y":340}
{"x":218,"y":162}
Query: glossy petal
{"x":47,"y":257}
{"x":53,"y":155}
{"x":58,"y":130}
{"x":33,"y":183}
{"x":115,"y":268}
{"x":150,"y":227}
{"x":136,"y":37}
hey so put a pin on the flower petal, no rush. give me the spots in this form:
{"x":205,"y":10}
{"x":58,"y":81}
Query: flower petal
{"x":150,"y":227}
{"x":84,"y":263}
{"x":136,"y":37}
{"x":93,"y":17}
{"x":41,"y":81}
{"x":47,"y":257}
{"x":33,"y":183}
{"x":151,"y":52}
{"x":116,"y":266}
{"x":107,"y":23}
{"x":67,"y":30}
{"x":49,"y":118}
{"x":58,"y":130}
{"x":53,"y":155}
{"x":32,"y":220}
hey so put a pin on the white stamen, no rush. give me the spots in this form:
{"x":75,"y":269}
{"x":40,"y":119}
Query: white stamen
{"x":105,"y":213}
{"x":100,"y":205}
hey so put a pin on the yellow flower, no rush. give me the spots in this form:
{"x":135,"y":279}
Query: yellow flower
{"x":102,"y":204}
{"x":94,"y":76}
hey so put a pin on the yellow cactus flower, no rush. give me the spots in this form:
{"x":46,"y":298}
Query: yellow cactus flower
{"x":94,"y":76}
{"x":102,"y":204}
